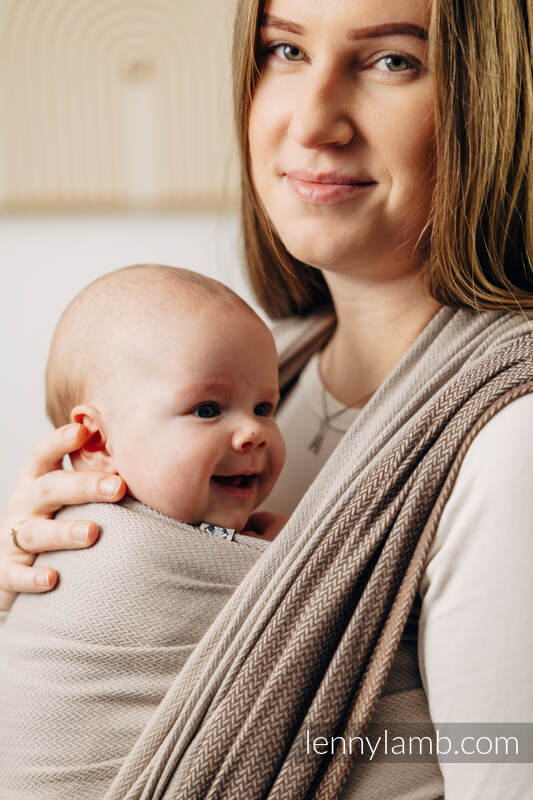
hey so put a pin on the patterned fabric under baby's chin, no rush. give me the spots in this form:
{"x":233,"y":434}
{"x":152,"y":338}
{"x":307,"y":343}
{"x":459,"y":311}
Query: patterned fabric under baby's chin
{"x":216,"y":530}
{"x":332,"y":596}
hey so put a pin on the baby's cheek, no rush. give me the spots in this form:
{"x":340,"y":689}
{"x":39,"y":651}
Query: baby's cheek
{"x":130,"y":469}
{"x":178,"y":495}
{"x":280,"y":452}
{"x":158,"y":484}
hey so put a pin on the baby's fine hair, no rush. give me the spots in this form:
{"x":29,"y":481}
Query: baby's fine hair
{"x":82,"y":341}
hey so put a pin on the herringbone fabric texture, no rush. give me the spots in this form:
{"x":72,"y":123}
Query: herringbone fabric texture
{"x":83,"y":668}
{"x":308,"y":643}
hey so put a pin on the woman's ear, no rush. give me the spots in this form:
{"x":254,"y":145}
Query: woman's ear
{"x":95,"y":454}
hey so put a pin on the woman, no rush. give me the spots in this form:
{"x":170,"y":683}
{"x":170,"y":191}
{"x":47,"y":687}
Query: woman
{"x":387,"y":177}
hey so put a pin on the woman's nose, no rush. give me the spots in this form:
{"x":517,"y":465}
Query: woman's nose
{"x":320,"y":116}
{"x":249,"y":437}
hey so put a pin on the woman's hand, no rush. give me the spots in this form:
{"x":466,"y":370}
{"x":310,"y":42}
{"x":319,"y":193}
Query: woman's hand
{"x":42,"y":489}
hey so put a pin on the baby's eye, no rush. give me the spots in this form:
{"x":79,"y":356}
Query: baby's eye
{"x":263,"y":409}
{"x":206,"y":410}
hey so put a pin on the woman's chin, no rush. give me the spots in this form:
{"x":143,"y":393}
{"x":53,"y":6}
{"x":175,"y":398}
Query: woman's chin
{"x":327,"y":255}
{"x":324,"y":242}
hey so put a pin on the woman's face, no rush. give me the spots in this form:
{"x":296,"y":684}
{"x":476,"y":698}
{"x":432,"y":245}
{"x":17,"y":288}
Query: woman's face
{"x":341,"y":130}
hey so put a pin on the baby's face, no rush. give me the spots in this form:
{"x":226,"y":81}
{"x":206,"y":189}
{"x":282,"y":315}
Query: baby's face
{"x":190,"y":424}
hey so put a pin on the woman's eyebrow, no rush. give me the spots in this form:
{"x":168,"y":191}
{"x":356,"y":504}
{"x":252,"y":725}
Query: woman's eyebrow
{"x":386,"y":29}
{"x":269,"y":21}
{"x":389,"y":29}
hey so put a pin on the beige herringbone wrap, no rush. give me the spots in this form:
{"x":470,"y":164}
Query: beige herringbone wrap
{"x":83,"y":668}
{"x":307,"y":640}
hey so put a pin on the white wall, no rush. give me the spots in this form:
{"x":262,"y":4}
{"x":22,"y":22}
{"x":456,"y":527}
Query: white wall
{"x":45,"y":260}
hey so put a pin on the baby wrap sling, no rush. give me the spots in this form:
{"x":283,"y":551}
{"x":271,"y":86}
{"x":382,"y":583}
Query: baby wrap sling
{"x":307,"y":640}
{"x":83,"y":668}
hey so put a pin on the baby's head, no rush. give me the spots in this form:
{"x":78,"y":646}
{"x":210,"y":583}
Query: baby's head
{"x":176,"y":378}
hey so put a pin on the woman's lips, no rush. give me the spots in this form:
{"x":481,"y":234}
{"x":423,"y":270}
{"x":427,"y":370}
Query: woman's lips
{"x":325,"y":191}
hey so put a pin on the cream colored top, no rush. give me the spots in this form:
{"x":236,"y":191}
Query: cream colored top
{"x":475,"y":638}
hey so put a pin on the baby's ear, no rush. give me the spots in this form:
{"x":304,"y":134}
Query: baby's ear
{"x":94,"y":455}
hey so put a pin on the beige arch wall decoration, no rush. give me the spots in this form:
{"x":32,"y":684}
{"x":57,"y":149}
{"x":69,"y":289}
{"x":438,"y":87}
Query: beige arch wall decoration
{"x":111,"y":104}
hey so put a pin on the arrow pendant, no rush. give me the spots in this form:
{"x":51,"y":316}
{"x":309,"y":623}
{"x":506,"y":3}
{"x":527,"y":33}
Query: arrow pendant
{"x":316,"y":444}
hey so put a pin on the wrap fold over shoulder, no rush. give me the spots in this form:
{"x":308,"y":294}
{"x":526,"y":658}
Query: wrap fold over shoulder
{"x":308,"y":639}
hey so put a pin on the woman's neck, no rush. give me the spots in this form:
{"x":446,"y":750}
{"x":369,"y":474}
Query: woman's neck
{"x":376,"y":325}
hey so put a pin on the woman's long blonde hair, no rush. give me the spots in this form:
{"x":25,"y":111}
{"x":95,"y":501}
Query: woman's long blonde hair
{"x":481,"y":221}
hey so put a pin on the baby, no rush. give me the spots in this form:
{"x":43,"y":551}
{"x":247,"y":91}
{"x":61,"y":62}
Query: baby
{"x":176,"y":379}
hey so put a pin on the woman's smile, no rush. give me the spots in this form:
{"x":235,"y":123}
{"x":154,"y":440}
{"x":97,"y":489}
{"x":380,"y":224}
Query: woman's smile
{"x":326,"y":190}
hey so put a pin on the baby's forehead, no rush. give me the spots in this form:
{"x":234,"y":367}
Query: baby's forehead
{"x":196,"y":335}
{"x":172,"y":364}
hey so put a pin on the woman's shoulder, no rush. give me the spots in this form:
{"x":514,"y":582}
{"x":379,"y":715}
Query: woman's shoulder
{"x":479,"y":561}
{"x":494,"y":487}
{"x":477,"y":578}
{"x":500,"y":456}
{"x":475,"y":636}
{"x":504,"y":446}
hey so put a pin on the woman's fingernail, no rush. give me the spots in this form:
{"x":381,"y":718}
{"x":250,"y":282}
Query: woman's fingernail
{"x":80,"y":531}
{"x":109,"y":485}
{"x":42,"y":579}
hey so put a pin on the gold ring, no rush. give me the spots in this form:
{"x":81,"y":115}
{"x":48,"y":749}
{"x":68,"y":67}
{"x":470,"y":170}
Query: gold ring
{"x":14,"y":530}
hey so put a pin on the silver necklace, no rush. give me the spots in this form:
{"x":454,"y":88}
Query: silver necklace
{"x":316,"y":444}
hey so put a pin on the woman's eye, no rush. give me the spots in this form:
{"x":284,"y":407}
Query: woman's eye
{"x":206,"y":410}
{"x":397,"y":63}
{"x":287,"y":52}
{"x":263,"y":409}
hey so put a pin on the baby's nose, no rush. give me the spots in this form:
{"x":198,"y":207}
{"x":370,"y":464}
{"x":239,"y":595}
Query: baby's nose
{"x":249,"y":437}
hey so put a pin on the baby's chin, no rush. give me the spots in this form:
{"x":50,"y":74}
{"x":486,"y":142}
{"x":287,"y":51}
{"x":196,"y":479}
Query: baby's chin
{"x":225,"y":519}
{"x":234,"y":518}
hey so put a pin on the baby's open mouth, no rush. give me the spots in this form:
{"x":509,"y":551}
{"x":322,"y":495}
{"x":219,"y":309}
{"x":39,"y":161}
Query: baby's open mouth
{"x":240,"y":481}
